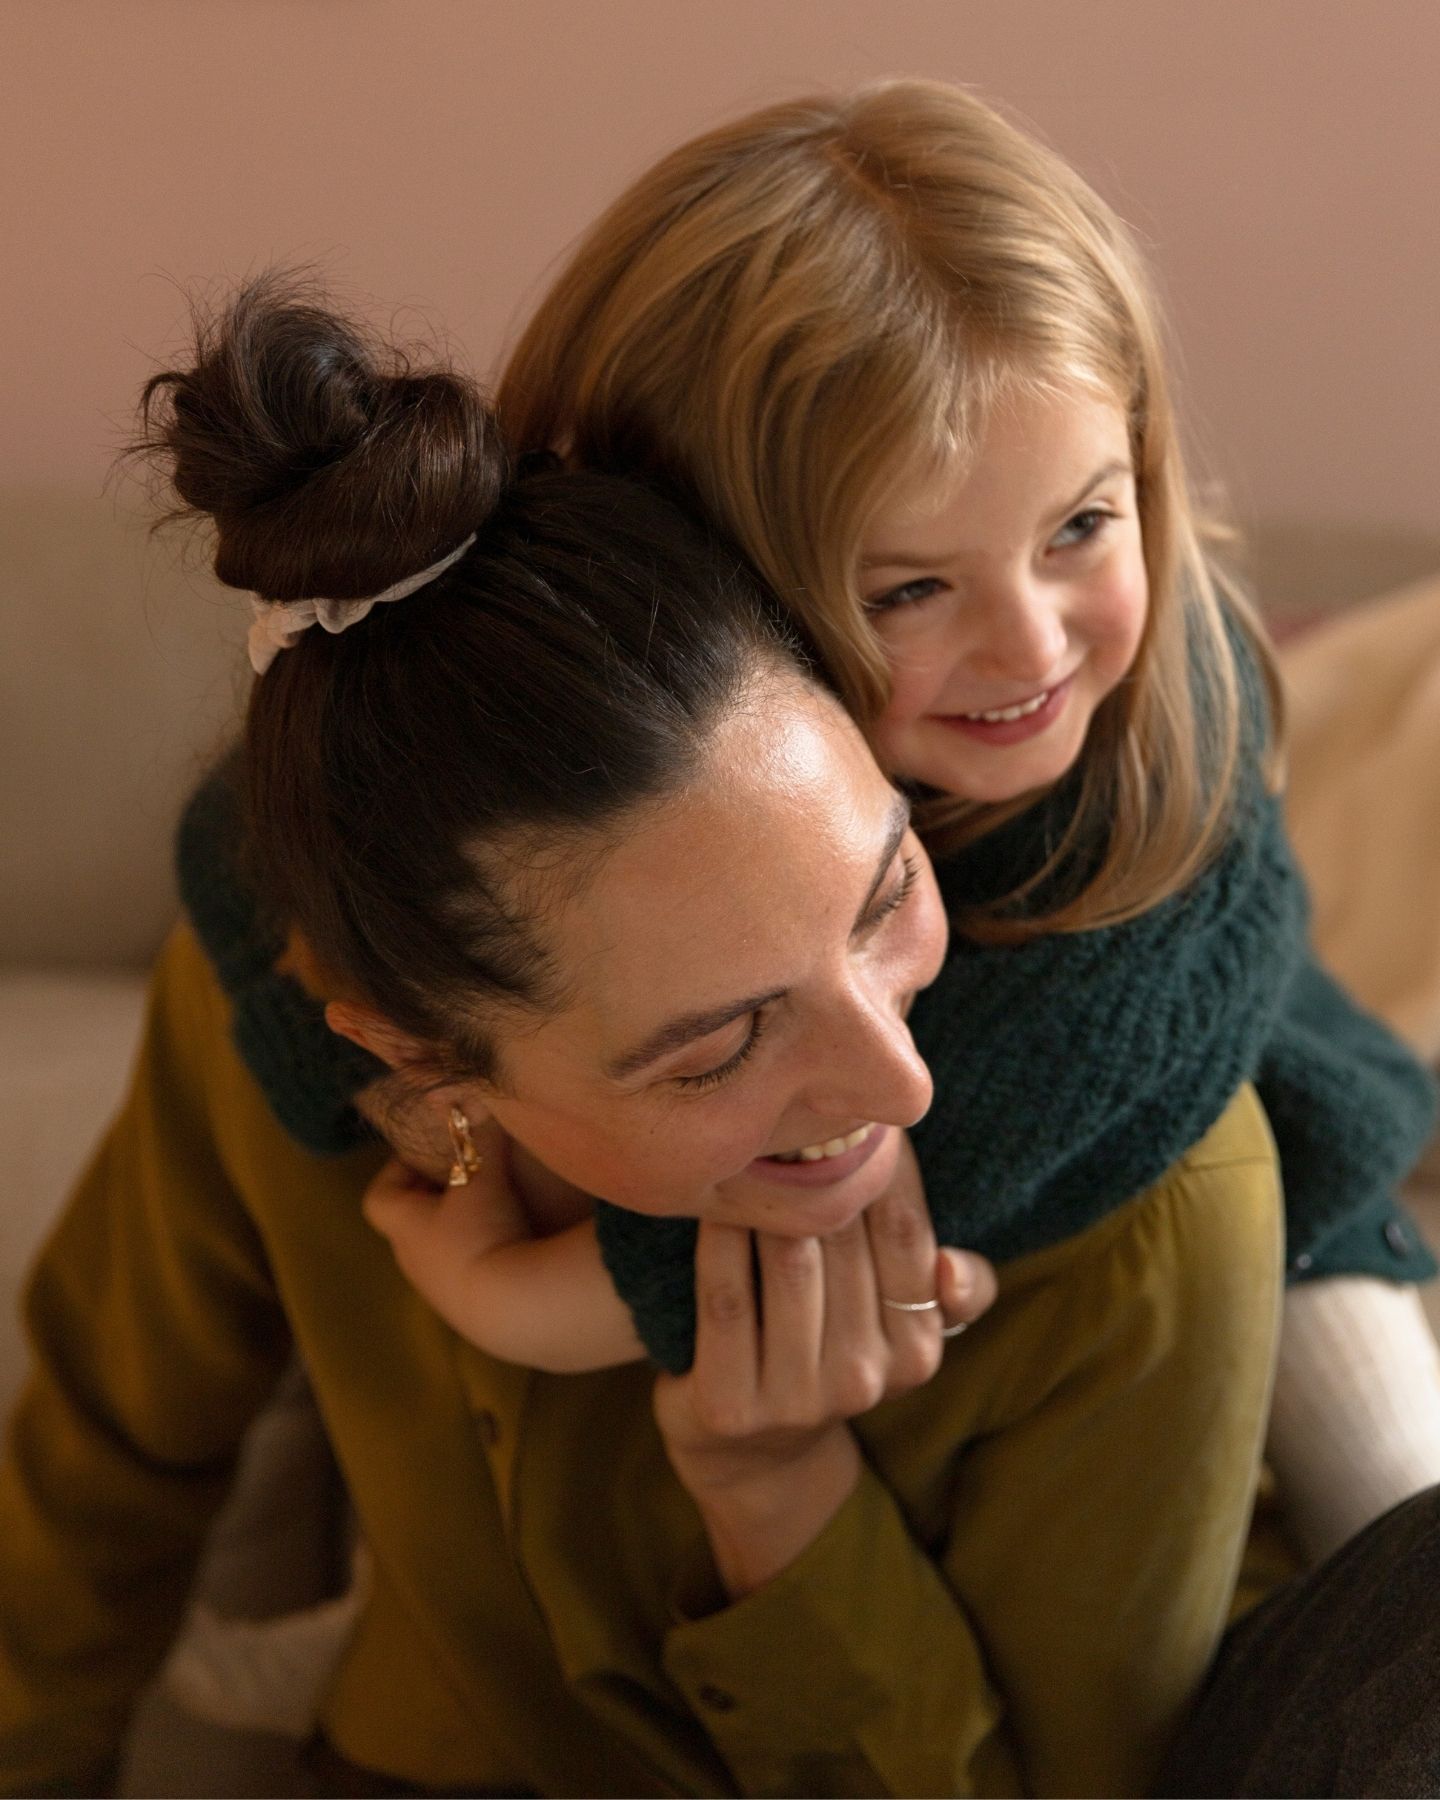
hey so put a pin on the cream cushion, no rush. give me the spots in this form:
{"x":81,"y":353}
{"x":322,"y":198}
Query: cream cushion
{"x":66,"y":1042}
{"x":1363,"y":800}
{"x":120,"y":670}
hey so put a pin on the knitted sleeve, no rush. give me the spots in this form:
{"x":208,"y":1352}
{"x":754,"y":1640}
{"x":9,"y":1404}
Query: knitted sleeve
{"x":1351,"y":1110}
{"x":307,"y":1073}
{"x":1073,"y":1070}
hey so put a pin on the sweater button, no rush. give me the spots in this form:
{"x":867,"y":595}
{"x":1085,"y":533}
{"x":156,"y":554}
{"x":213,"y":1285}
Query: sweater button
{"x":1303,"y":1262}
{"x":717,"y":1699}
{"x":1397,"y":1237}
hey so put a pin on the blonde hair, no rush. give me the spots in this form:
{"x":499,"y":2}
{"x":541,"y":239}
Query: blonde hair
{"x":792,"y":315}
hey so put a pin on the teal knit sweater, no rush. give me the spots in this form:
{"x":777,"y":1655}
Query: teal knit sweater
{"x":1070,"y":1071}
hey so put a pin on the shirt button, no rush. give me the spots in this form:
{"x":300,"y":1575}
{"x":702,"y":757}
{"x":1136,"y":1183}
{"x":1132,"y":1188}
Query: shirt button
{"x":487,"y":1428}
{"x":717,"y":1699}
{"x":1397,"y":1237}
{"x":1303,"y":1262}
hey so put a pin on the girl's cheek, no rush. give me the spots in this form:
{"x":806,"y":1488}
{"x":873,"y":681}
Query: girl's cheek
{"x":1138,"y":612}
{"x":1118,"y":614}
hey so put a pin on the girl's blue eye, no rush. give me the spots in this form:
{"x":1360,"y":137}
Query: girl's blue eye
{"x":909,"y":593}
{"x":712,"y":1077}
{"x":1082,"y":527}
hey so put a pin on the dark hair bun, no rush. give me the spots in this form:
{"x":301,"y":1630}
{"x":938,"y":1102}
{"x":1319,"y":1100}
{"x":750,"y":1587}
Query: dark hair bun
{"x":330,"y":466}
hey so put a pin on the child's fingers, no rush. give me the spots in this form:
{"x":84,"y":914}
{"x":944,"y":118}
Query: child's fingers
{"x":902,"y":1244}
{"x":395,"y":1195}
{"x":966,"y":1286}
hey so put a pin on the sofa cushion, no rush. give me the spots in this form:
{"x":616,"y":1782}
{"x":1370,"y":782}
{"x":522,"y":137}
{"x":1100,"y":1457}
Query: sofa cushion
{"x":120,"y":670}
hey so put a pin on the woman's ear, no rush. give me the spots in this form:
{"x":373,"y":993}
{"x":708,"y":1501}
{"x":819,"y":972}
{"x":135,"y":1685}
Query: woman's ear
{"x":429,"y":1127}
{"x":372,"y":1032}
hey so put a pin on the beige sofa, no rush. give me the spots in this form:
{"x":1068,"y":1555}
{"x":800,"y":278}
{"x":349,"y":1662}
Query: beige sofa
{"x":121,"y":670}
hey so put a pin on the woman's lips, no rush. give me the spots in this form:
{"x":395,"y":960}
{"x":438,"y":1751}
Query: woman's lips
{"x":1012,"y":731}
{"x":822,"y":1173}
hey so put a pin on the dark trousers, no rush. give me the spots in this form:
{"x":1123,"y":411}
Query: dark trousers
{"x":1332,"y":1686}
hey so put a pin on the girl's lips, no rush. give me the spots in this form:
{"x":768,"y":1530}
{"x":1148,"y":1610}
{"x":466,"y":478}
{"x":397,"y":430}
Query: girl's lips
{"x":823,"y":1173}
{"x":1012,"y":731}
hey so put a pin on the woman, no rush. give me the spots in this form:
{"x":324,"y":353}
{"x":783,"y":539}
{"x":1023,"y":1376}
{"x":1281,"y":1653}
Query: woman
{"x":548,"y":809}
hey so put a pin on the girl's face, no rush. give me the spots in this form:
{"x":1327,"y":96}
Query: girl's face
{"x":1009,"y":602}
{"x":737,"y":971}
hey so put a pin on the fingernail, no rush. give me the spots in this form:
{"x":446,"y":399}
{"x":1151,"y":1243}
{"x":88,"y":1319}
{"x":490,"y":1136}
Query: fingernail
{"x":962,"y":1279}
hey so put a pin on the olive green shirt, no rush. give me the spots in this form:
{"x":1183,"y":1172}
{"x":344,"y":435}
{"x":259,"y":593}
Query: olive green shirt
{"x":1019,"y":1596}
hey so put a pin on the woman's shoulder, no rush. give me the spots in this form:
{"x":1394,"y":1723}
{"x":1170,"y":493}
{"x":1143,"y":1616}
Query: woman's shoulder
{"x":1212,"y":1220}
{"x":1162,"y":1294}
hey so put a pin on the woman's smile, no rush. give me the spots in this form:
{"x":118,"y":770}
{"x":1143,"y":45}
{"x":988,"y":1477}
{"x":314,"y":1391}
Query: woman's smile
{"x":824,"y":1152}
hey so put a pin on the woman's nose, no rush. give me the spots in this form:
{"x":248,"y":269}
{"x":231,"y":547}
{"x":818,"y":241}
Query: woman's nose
{"x":1019,"y":632}
{"x":870,"y":1068}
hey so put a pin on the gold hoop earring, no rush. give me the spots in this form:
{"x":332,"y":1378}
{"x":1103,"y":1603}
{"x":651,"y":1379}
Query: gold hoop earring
{"x":467,"y":1157}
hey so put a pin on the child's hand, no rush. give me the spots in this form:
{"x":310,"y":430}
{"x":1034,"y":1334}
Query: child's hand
{"x":437,"y":1233}
{"x":543,"y":1302}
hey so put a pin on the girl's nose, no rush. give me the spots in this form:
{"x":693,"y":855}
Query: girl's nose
{"x":1019,"y":634}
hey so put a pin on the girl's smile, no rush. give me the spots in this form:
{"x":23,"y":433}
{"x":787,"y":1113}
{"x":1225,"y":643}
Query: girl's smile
{"x":1010,"y":601}
{"x":1013,"y":724}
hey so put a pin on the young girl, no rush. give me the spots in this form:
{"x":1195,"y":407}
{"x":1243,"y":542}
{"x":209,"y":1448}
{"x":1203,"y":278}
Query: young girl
{"x":908,"y":358}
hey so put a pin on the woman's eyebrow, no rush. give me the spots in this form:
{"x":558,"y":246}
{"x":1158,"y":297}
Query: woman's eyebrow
{"x":674,"y":1034}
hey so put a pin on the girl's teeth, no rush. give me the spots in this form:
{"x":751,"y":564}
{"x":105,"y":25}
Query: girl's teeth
{"x":1006,"y":713}
{"x":831,"y":1147}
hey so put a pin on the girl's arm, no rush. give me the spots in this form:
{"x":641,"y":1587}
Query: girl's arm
{"x":546,"y":1303}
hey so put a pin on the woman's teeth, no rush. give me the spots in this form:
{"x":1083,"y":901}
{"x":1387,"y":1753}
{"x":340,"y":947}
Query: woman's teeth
{"x":831,"y":1147}
{"x":1006,"y":713}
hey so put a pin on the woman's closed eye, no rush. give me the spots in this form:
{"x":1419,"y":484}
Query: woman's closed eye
{"x":884,"y":907}
{"x":899,"y":893}
{"x":722,"y":1071}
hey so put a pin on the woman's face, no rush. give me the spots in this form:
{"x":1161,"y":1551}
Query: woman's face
{"x":737,"y":972}
{"x":1009,"y":602}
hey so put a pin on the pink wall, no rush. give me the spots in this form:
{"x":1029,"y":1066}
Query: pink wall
{"x":1281,"y":156}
